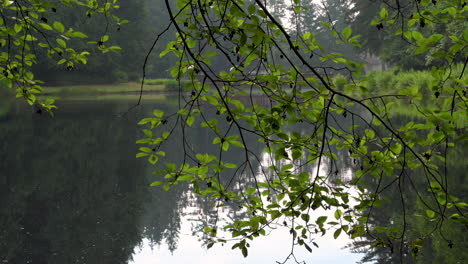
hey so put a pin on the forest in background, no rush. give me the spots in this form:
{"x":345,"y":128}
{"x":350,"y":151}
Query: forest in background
{"x":441,"y":121}
{"x":148,"y":18}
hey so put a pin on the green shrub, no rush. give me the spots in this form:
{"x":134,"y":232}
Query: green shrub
{"x":339,"y":81}
{"x":422,"y":79}
{"x":403,"y":80}
{"x":385,"y":81}
{"x":371,"y":78}
{"x":170,"y":84}
{"x":396,"y":80}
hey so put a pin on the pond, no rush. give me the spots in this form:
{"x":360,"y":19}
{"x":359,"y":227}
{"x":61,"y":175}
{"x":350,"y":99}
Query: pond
{"x":72,"y":191}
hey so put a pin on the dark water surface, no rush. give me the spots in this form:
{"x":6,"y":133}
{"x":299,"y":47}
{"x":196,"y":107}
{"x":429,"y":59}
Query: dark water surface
{"x":72,"y":191}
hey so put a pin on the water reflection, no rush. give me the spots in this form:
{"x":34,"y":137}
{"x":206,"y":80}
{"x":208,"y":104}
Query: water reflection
{"x":445,"y":246}
{"x":68,"y":192}
{"x":71,"y":191}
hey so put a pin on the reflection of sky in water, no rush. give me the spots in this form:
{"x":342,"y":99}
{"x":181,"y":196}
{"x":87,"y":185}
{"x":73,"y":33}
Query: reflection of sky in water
{"x":81,"y":206}
{"x":276,"y":246}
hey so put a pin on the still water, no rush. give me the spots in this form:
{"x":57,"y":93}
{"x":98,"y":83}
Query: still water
{"x":72,"y":191}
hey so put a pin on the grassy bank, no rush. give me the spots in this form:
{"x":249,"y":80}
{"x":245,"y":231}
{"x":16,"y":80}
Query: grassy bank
{"x":86,"y":90}
{"x":151,"y":86}
{"x":425,"y":82}
{"x":424,"y":96}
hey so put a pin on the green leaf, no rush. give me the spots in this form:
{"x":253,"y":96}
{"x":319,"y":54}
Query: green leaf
{"x":452,"y":11}
{"x":358,"y":230}
{"x":185,"y":177}
{"x":158,"y":113}
{"x":338,"y":214}
{"x":380,"y":229}
{"x":225,"y":146}
{"x":321,"y":220}
{"x":30,"y":38}
{"x":430,"y":213}
{"x":396,"y":149}
{"x":170,"y":166}
{"x":183,"y":111}
{"x":252,"y":9}
{"x":45,"y":26}
{"x":105,"y":38}
{"x":337,"y":233}
{"x":153,"y":159}
{"x":17,"y":28}
{"x":61,"y":42}
{"x":408,"y":35}
{"x":148,"y":132}
{"x":347,"y":32}
{"x":145,"y":149}
{"x":383,"y":13}
{"x":237,"y":143}
{"x":417,"y":35}
{"x":280,"y":196}
{"x":190,"y":120}
{"x":370,"y":134}
{"x":250,"y":190}
{"x":308,"y":248}
{"x":76,"y":34}
{"x":210,"y":54}
{"x":141,"y":154}
{"x":442,"y":198}
{"x":244,"y":252}
{"x":435,"y":186}
{"x":155,"y":183}
{"x":416,"y":247}
{"x":58,"y":26}
{"x":166,"y":134}
{"x":230,"y":165}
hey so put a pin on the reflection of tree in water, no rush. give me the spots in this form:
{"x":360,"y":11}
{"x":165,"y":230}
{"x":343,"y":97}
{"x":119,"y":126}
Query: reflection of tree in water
{"x":71,"y":192}
{"x":206,"y":213}
{"x":162,"y":219}
{"x":447,"y":246}
{"x":179,"y":202}
{"x":239,"y":180}
{"x":68,"y":192}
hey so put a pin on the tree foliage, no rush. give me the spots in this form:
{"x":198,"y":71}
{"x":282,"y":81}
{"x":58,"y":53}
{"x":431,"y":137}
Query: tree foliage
{"x":263,"y":58}
{"x":28,"y":26}
{"x":309,"y":115}
{"x":442,"y":19}
{"x":132,"y":36}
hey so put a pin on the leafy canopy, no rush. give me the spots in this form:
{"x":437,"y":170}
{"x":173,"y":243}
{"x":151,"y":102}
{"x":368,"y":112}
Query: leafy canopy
{"x":310,"y":115}
{"x":308,"y":118}
{"x":26,"y":26}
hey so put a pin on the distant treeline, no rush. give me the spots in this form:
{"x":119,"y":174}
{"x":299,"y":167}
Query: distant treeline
{"x":148,"y":18}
